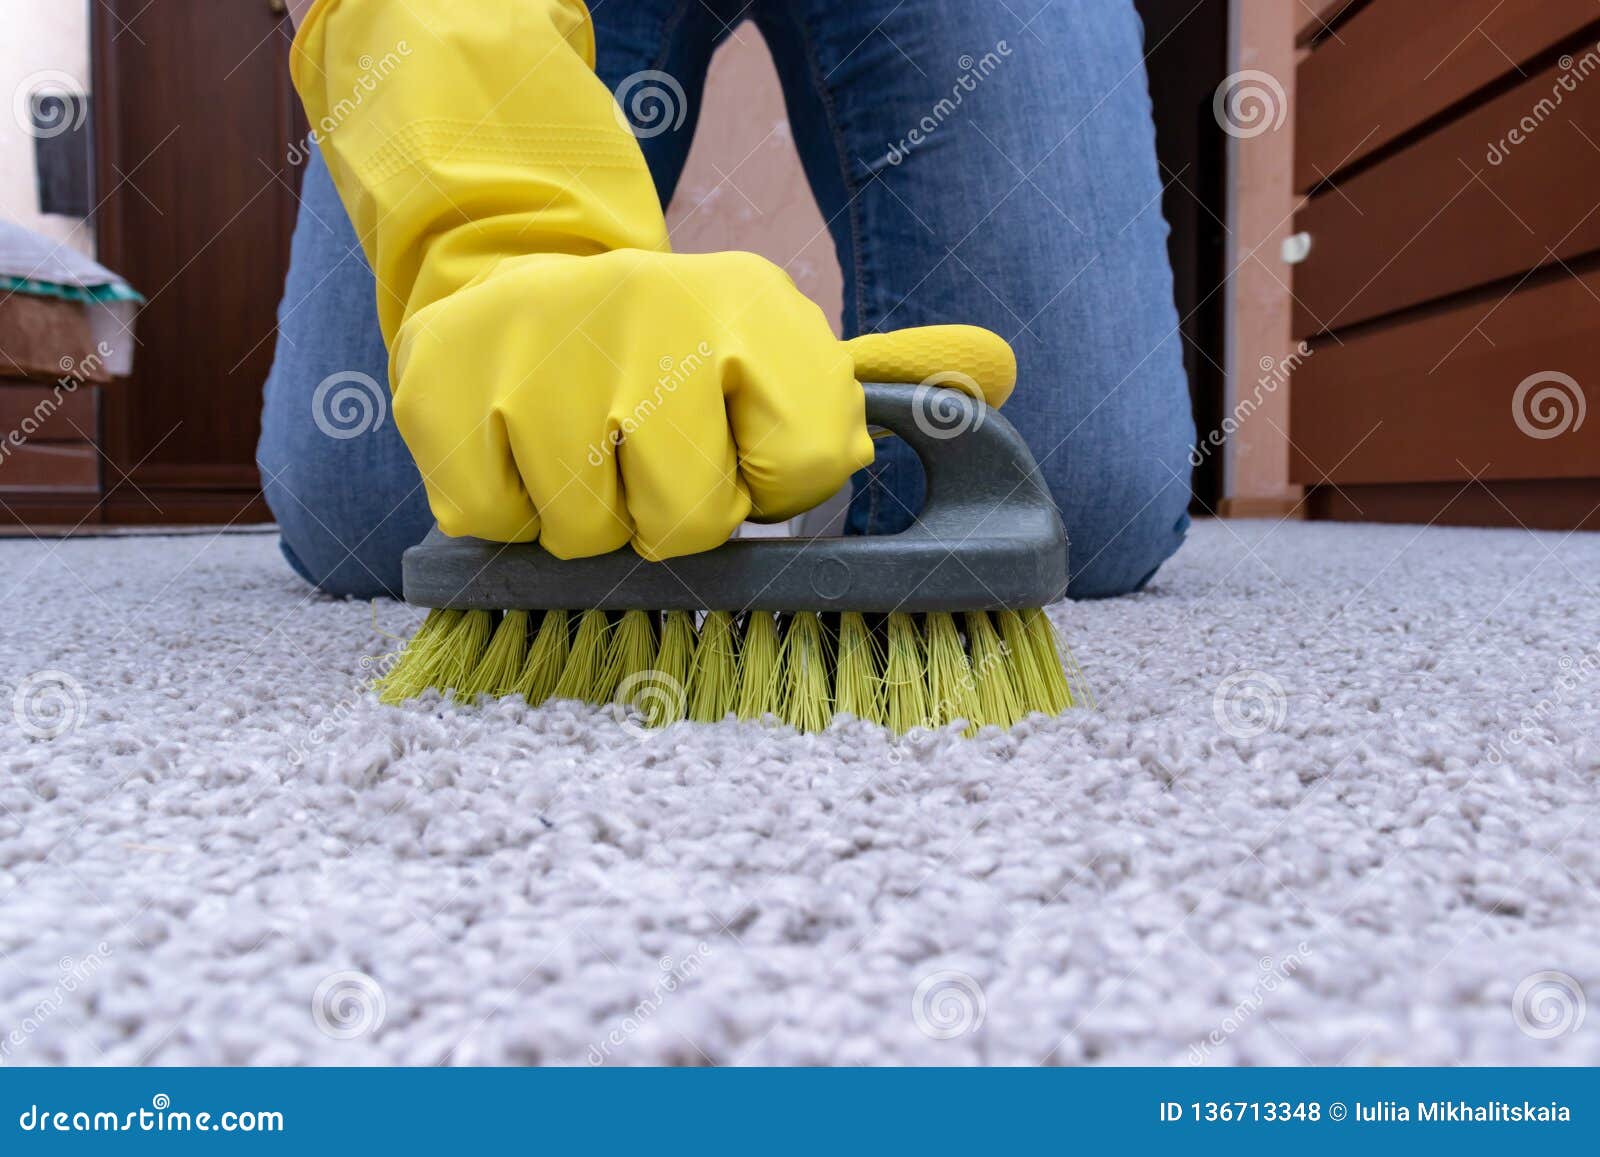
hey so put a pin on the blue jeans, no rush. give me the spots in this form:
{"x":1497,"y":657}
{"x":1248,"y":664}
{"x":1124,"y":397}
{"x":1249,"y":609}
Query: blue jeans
{"x":976,"y":162}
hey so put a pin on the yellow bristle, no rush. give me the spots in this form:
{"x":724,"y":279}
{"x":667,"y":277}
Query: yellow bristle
{"x":1040,"y":637}
{"x":905,"y":676}
{"x":858,"y":680}
{"x":804,"y":682}
{"x":496,"y":672}
{"x":546,"y":659}
{"x":408,"y":676}
{"x":758,"y":666}
{"x":996,"y":698}
{"x":1035,"y":689}
{"x":951,"y":688}
{"x":665,"y":703}
{"x":714,"y":678}
{"x":462,"y":648}
{"x":585,"y":658}
{"x":633,"y":655}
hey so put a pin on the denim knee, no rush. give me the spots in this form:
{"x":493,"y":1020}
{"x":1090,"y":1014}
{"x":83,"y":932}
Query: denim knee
{"x":339,"y":542}
{"x":1133,"y":526}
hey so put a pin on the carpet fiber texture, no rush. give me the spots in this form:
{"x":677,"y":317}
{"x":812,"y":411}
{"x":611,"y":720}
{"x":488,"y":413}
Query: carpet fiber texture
{"x":1338,"y":804}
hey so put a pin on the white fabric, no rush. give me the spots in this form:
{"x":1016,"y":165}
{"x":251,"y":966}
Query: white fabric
{"x":1368,"y":879}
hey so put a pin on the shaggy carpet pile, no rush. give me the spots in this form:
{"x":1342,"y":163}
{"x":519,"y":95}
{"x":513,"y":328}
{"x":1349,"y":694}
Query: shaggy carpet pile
{"x":1338,"y":805}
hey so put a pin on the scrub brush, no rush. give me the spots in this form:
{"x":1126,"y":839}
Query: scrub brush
{"x":937,"y":624}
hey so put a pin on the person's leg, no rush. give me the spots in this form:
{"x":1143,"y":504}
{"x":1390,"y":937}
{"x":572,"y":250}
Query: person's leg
{"x":995,"y":164}
{"x":340,"y":482}
{"x":334,"y":471}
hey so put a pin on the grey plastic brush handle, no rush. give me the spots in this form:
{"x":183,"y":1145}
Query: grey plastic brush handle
{"x":989,"y":537}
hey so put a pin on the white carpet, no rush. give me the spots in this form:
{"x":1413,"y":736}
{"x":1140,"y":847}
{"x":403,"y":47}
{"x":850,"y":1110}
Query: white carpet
{"x":1366,"y":869}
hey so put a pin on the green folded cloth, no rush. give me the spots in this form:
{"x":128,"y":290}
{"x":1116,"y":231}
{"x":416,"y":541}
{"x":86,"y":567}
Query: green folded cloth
{"x":88,"y":294}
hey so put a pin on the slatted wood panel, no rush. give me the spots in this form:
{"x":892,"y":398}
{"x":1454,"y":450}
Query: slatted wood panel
{"x":49,"y":466}
{"x":1438,"y":218}
{"x":1431,"y":399}
{"x":1538,"y":504}
{"x":43,"y":413}
{"x":1322,"y":16}
{"x":25,"y":513}
{"x":1394,"y":65}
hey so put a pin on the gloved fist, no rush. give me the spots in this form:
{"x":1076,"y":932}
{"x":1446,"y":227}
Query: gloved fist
{"x":644,"y":397}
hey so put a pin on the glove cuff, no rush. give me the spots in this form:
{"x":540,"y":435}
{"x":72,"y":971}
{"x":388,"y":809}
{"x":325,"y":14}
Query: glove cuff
{"x":459,"y":134}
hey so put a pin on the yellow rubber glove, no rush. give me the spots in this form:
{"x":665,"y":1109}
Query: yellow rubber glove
{"x":557,"y":373}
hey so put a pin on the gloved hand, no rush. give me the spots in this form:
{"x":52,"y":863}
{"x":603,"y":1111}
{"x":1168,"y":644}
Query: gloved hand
{"x":638,"y":396}
{"x":557,"y":373}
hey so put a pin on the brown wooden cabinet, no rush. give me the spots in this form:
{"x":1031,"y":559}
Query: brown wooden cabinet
{"x":1449,"y":151}
{"x":196,"y":204}
{"x":51,"y":379}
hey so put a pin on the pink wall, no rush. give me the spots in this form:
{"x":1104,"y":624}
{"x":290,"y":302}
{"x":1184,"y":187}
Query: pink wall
{"x":743,"y":187}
